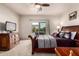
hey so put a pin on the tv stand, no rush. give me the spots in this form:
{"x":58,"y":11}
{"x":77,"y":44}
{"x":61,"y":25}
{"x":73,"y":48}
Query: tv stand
{"x":8,"y":40}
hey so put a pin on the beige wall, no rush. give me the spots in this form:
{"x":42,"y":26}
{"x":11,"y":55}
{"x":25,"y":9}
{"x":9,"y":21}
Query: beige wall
{"x":65,"y":17}
{"x":54,"y":21}
{"x":25,"y":21}
{"x":26,"y":28}
{"x":7,"y":15}
{"x":24,"y":24}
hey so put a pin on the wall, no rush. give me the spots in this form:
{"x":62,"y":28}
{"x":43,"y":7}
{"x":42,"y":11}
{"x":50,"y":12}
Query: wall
{"x":25,"y":21}
{"x":26,"y":28}
{"x":54,"y":22}
{"x":8,"y":15}
{"x":65,"y":17}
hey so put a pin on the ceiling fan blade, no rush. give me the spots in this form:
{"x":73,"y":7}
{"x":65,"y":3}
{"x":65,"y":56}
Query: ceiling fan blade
{"x":42,"y":4}
{"x":37,"y":4}
{"x":45,"y":4}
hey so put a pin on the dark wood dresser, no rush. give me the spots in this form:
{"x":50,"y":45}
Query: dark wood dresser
{"x":8,"y":40}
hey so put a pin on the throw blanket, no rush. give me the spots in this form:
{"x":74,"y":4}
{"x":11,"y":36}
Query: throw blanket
{"x":46,"y":41}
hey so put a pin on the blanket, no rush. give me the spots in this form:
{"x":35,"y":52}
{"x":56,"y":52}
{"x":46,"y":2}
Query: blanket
{"x":46,"y":41}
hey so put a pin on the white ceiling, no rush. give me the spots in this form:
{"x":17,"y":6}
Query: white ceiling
{"x":29,"y":8}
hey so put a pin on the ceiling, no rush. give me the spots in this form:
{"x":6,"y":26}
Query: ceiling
{"x":29,"y":8}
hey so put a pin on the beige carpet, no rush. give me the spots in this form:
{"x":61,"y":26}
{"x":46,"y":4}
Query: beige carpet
{"x":44,"y":54}
{"x":24,"y":48}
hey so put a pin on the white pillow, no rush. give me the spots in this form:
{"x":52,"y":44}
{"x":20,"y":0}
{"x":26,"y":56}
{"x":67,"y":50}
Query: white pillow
{"x":73,"y":34}
{"x":67,"y":35}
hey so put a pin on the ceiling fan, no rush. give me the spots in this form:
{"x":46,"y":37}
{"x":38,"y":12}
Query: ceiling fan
{"x":40,"y":5}
{"x":43,"y":4}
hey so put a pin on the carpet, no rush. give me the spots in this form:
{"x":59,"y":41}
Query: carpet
{"x":24,"y":48}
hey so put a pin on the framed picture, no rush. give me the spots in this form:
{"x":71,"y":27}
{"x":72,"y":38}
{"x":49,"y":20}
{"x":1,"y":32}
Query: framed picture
{"x":73,"y":15}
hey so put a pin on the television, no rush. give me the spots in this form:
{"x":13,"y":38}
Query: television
{"x":10,"y":26}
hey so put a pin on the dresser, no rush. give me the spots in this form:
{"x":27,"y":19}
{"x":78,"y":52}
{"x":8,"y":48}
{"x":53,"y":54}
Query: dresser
{"x":8,"y":40}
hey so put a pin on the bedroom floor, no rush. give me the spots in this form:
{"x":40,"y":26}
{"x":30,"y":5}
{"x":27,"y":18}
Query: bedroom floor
{"x":44,"y":54}
{"x":24,"y":48}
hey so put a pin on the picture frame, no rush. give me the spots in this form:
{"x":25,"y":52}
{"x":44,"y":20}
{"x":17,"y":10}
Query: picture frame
{"x":73,"y":15}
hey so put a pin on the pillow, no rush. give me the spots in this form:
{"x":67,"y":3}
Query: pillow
{"x":61,"y":34}
{"x":67,"y":35}
{"x":54,"y":34}
{"x":73,"y":34}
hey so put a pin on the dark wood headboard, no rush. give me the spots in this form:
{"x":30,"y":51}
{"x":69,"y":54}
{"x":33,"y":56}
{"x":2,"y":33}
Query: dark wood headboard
{"x":74,"y":28}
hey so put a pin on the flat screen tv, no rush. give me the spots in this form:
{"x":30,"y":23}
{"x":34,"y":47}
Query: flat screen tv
{"x":10,"y":26}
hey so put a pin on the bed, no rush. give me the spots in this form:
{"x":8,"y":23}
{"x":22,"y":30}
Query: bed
{"x":61,"y":42}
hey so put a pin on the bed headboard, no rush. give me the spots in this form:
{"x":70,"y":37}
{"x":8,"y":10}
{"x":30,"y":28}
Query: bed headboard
{"x":74,"y":28}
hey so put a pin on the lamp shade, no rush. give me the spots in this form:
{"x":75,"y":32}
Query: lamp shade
{"x":58,"y":27}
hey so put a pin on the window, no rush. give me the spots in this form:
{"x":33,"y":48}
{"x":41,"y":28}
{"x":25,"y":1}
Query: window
{"x":42,"y":27}
{"x":39,"y":27}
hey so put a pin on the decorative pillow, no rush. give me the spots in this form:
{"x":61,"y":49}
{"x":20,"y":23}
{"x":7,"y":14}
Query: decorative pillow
{"x":73,"y":34}
{"x":54,"y":34}
{"x":67,"y":35}
{"x":61,"y":34}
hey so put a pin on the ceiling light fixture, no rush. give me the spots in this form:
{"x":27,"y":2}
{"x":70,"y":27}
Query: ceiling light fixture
{"x":38,"y":7}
